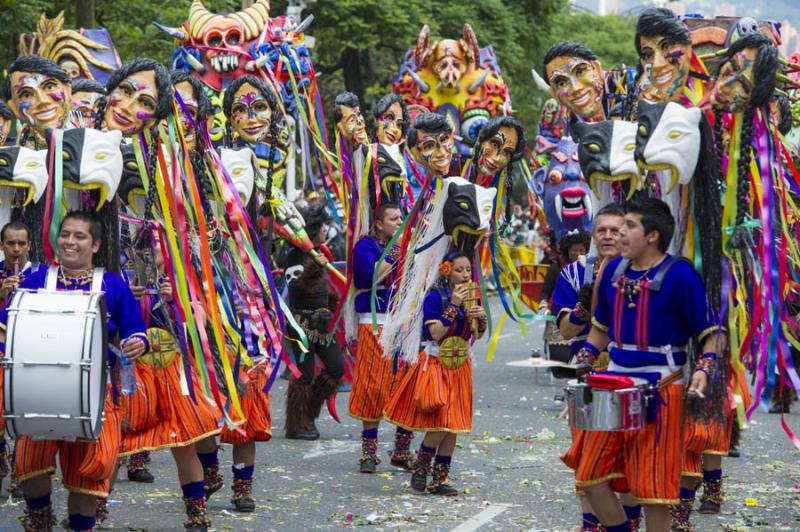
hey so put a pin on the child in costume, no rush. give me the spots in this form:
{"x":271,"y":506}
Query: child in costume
{"x":435,"y":395}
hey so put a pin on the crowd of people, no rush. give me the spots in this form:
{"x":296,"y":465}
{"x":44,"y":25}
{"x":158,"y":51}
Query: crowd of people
{"x":373,"y":279}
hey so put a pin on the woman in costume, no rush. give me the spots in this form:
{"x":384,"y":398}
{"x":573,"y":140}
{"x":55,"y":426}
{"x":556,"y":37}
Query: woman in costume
{"x":435,"y":395}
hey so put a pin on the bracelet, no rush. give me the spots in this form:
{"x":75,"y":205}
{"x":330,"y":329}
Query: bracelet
{"x":707,"y":365}
{"x":395,"y":253}
{"x":588,"y":353}
{"x":450,"y":312}
{"x":578,"y":315}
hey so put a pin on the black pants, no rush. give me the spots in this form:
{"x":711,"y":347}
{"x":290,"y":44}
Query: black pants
{"x":330,"y":355}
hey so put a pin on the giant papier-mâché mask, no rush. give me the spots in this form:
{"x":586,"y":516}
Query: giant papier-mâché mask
{"x":467,"y":212}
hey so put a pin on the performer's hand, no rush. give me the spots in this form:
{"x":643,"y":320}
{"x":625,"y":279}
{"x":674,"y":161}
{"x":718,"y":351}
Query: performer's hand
{"x":460,"y":293}
{"x":138,"y":291}
{"x":133,"y":348}
{"x":165,"y":291}
{"x":321,"y":259}
{"x":10,"y":284}
{"x":697,"y":388}
{"x":476,"y":312}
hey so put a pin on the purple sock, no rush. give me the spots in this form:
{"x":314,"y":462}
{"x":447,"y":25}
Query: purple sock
{"x":590,"y":520}
{"x":37,"y":503}
{"x":622,"y":527}
{"x":81,"y":522}
{"x":441,"y":459}
{"x":712,"y":476}
{"x":370,"y":434}
{"x":401,"y":430}
{"x":243,"y":473}
{"x":632,"y":512}
{"x":426,"y":450}
{"x":208,"y":459}
{"x":194,"y":490}
{"x":687,"y":493}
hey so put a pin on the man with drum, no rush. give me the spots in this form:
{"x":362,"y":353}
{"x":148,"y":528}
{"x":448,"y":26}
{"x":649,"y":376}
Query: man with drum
{"x":15,"y":241}
{"x":85,"y":465}
{"x":649,"y":306}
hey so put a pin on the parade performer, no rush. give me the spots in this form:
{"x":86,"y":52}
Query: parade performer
{"x":86,"y":466}
{"x":633,"y":319}
{"x":311,"y":302}
{"x":373,"y":375}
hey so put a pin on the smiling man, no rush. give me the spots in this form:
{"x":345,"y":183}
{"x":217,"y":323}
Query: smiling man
{"x":664,"y":45}
{"x":38,"y":91}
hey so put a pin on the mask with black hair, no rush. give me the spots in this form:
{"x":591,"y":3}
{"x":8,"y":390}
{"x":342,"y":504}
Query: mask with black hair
{"x":746,"y":74}
{"x":575,"y":77}
{"x":349,"y":120}
{"x":139,"y":96}
{"x":664,"y":45}
{"x":391,"y":115}
{"x":499,"y":144}
{"x":38,"y":91}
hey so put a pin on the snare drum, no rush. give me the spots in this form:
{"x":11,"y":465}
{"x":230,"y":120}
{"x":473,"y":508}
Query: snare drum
{"x":607,"y":410}
{"x":55,"y":367}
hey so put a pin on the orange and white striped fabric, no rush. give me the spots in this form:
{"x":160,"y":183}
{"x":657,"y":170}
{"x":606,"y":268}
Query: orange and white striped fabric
{"x":456,"y":387}
{"x":86,"y":467}
{"x":257,"y":425}
{"x":373,"y":378}
{"x":650,"y":459}
{"x":176,"y":420}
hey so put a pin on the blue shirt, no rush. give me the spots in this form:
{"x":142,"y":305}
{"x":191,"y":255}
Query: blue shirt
{"x":565,"y":297}
{"x":433,"y":309}
{"x":366,"y":254}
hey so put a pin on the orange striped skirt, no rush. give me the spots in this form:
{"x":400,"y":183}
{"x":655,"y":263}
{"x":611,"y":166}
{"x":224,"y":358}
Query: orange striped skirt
{"x":372,"y":377}
{"x":705,"y":437}
{"x":455,"y":386}
{"x":257,"y":422}
{"x":650,"y":459}
{"x":86,"y":467}
{"x":573,"y":457}
{"x":179,"y":420}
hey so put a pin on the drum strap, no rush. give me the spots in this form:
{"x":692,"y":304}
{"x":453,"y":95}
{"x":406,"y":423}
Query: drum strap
{"x":51,"y":283}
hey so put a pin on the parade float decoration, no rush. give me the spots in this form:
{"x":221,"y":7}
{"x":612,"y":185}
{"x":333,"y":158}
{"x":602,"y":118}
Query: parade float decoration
{"x":455,"y":78}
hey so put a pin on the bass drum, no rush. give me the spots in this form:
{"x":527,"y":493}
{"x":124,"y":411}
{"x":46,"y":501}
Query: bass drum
{"x":55,"y":368}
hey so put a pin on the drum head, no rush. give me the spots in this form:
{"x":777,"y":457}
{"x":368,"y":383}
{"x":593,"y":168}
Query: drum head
{"x":99,"y":375}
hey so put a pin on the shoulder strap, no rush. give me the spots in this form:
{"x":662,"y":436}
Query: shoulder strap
{"x":588,"y":271}
{"x":97,"y":279}
{"x":621,"y":267}
{"x":51,"y":283}
{"x":658,"y":280}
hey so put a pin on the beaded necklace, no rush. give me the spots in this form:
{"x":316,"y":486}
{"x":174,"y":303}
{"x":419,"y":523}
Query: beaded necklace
{"x":631,"y":287}
{"x":80,"y":278}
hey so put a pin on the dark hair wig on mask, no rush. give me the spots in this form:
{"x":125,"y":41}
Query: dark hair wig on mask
{"x":203,"y":103}
{"x":35,"y":64}
{"x":253,"y":81}
{"x":315,"y":218}
{"x":87,"y":85}
{"x":493,"y":126}
{"x":347,"y":99}
{"x":660,"y":21}
{"x":7,"y":114}
{"x":163,"y":83}
{"x":387,"y":101}
{"x":429,"y":123}
{"x":566,"y":49}
{"x":785,"y":110}
{"x":764,"y":68}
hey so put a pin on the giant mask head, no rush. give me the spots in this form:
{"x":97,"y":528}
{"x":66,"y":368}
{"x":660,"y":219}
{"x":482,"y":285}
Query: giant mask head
{"x":391,"y":176}
{"x":500,"y":143}
{"x":139,"y":96}
{"x":606,"y":153}
{"x":38,"y":91}
{"x":23,"y":168}
{"x":668,"y":140}
{"x":131,"y":188}
{"x":241,"y":167}
{"x":85,"y":102}
{"x":250,"y":108}
{"x":467,"y":212}
{"x":664,"y":45}
{"x":92,"y":161}
{"x":564,"y":191}
{"x":746,"y":75}
{"x":349,"y":120}
{"x":391,"y":117}
{"x":196,"y":105}
{"x":575,"y":77}
{"x":431,"y":141}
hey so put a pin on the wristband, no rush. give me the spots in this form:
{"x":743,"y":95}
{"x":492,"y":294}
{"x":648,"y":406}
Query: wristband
{"x":707,"y":365}
{"x":588,"y":353}
{"x":578,"y":315}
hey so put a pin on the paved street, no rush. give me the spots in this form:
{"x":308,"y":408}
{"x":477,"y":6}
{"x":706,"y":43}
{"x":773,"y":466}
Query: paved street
{"x":507,"y":470}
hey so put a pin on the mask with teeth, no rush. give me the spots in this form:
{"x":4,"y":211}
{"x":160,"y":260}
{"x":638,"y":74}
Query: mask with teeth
{"x":391,"y":175}
{"x":25,"y":169}
{"x":606,"y":153}
{"x":467,"y":212}
{"x":131,"y":189}
{"x":92,"y":161}
{"x":564,"y":191}
{"x":668,"y":140}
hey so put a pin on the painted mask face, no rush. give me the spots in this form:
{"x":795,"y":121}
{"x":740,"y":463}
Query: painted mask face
{"x":83,"y":109}
{"x":132,"y":104}
{"x":239,"y":164}
{"x":72,"y":68}
{"x":39,"y":100}
{"x":606,"y":153}
{"x":467,"y":212}
{"x":734,"y":85}
{"x":564,"y":191}
{"x":390,"y":125}
{"x":391,"y":174}
{"x":668,"y":65}
{"x":577,"y":85}
{"x":434,"y":151}
{"x":24,"y":168}
{"x":251,"y":115}
{"x":184,"y":90}
{"x":668,"y":140}
{"x":351,"y":126}
{"x":449,"y":62}
{"x":5,"y":130}
{"x":93,"y":161}
{"x":497,"y":150}
{"x":131,"y":188}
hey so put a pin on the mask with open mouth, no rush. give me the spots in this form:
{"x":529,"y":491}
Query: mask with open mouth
{"x":240,"y":167}
{"x":131,"y":189}
{"x":605,"y":151}
{"x":467,"y":212}
{"x":668,"y":140}
{"x":564,"y":191}
{"x":391,"y":176}
{"x":92,"y":161}
{"x":26,"y":169}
